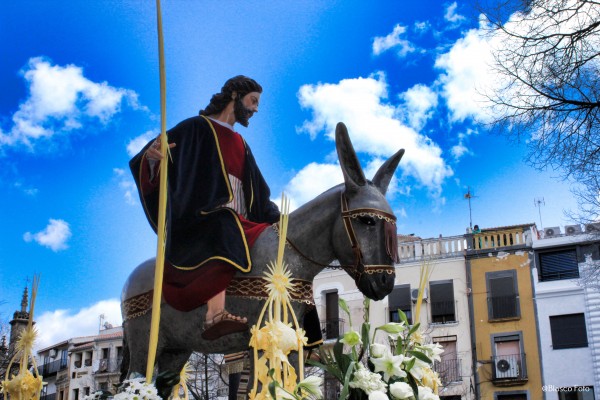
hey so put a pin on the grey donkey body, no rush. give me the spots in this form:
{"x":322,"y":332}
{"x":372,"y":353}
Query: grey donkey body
{"x":319,"y":234}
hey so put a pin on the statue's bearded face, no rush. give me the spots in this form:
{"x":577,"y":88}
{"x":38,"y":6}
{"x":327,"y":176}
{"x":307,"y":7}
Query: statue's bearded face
{"x":245,"y":107}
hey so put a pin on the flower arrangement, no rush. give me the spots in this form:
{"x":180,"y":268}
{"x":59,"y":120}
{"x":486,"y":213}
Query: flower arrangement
{"x":277,"y":333}
{"x":133,"y":389}
{"x":398,"y":370}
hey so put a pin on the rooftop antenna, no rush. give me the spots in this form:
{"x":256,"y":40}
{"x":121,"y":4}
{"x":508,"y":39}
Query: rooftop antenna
{"x":539,"y":202}
{"x":469,"y":196}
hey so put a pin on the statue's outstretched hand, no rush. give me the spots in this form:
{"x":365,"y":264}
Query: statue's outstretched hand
{"x":153,"y":153}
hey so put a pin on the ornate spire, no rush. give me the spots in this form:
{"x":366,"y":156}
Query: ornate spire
{"x":25,"y":300}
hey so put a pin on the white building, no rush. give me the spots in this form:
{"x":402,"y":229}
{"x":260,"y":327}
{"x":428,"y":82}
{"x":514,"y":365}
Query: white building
{"x":568,"y":314}
{"x":444,"y":315}
{"x":79,"y":366}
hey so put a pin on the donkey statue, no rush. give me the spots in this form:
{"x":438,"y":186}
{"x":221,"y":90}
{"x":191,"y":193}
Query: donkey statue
{"x":351,"y":223}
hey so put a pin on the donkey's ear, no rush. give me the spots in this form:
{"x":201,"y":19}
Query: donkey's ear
{"x":382,"y":178}
{"x":353,"y":173}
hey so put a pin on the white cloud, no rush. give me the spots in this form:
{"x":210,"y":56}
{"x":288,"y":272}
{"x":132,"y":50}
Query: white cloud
{"x":422,"y":26}
{"x":467,"y":76}
{"x":137,"y":143}
{"x":54,"y":236}
{"x":62,"y":99}
{"x":373,"y":127}
{"x":60,"y":325}
{"x":127,"y":184}
{"x":451,"y":15}
{"x":311,"y":181}
{"x":461,"y":149}
{"x":420,"y":103}
{"x":393,"y":40}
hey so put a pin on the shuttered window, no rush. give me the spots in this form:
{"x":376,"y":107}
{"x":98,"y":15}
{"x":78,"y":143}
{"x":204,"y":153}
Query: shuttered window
{"x":558,"y":265}
{"x":503,"y":295}
{"x":400,"y":299}
{"x":568,"y":331}
{"x":442,"y":301}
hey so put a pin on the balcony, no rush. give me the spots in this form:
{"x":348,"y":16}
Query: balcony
{"x":52,"y":368}
{"x":426,"y":249}
{"x":494,"y":239}
{"x":448,"y":371}
{"x":51,"y":396}
{"x":107,"y":365}
{"x":509,"y":370}
{"x":332,"y":328}
{"x":503,"y":307}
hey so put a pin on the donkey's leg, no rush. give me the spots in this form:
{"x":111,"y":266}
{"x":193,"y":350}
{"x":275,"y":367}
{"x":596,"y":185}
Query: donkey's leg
{"x":170,"y":364}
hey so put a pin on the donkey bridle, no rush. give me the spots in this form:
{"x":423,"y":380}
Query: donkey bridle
{"x":358,"y":268}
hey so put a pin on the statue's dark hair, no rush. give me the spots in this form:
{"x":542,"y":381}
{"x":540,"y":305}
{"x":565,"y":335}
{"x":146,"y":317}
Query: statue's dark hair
{"x":240,"y":84}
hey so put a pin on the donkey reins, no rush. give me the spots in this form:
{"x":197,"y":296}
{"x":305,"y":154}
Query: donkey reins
{"x":358,"y":268}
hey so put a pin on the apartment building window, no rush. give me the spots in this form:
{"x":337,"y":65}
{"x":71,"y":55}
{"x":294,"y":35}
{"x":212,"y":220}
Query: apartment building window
{"x":400,"y":299}
{"x":508,"y":357}
{"x":75,"y":394}
{"x":576,"y":393}
{"x":511,"y":396}
{"x":441,"y":297}
{"x":64,"y":354}
{"x":556,"y":265}
{"x":448,"y":368}
{"x":503,"y":295}
{"x":568,"y":331}
{"x":332,"y":323}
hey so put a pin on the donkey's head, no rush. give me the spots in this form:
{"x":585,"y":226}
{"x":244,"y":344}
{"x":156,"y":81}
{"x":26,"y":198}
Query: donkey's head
{"x":364,"y":238}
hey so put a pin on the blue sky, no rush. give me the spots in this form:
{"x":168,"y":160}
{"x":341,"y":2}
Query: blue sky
{"x":81,"y":93}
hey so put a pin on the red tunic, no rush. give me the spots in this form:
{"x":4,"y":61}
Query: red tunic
{"x":186,"y":290}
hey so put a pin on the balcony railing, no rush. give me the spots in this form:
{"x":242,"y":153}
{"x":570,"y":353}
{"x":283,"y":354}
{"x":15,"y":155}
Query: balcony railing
{"x":51,"y":396}
{"x":332,"y":328}
{"x":448,"y":371}
{"x":77,"y":364}
{"x":500,"y":238}
{"x":87,"y":363}
{"x":52,"y":367}
{"x":107,"y":365}
{"x":443,"y":247}
{"x":503,"y":306}
{"x":509,"y":368}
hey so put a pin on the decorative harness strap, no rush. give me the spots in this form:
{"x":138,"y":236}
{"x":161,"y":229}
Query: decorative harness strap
{"x":254,"y":287}
{"x":358,"y":268}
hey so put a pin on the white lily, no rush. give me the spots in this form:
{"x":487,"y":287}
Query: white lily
{"x":390,"y":365}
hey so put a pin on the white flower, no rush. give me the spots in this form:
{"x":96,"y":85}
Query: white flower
{"x":418,"y":369}
{"x":377,"y":395}
{"x":377,"y":350}
{"x":367,"y":381}
{"x":433,"y":351}
{"x":312,"y":385}
{"x":401,"y":390}
{"x":351,"y":338}
{"x":283,"y":394}
{"x":426,"y":393}
{"x":390,"y":365}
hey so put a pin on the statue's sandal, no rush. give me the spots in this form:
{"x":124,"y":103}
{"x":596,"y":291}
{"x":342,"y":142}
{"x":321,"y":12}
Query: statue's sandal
{"x":223,"y":324}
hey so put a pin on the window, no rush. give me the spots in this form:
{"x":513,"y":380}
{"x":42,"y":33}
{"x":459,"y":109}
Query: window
{"x":441,"y":297}
{"x":75,"y":394}
{"x":557,"y":265}
{"x":576,"y":393}
{"x":511,"y":396}
{"x":331,"y":327}
{"x":503,"y":299}
{"x":104,"y":386}
{"x":448,"y":368}
{"x":508,"y":358}
{"x":568,"y":331}
{"x":400,"y":299}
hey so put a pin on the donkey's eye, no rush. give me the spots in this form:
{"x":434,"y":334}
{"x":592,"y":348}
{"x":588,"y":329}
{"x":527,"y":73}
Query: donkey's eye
{"x":365,"y":219}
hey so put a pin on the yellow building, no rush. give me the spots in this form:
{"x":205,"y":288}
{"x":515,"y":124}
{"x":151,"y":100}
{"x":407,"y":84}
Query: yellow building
{"x":505,"y":337}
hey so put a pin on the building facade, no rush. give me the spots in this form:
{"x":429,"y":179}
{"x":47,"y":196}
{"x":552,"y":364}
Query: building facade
{"x":568,"y":311}
{"x":504,"y":335}
{"x":444,"y":315}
